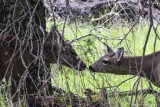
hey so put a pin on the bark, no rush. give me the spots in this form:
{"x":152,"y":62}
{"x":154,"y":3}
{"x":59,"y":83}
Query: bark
{"x":26,"y":19}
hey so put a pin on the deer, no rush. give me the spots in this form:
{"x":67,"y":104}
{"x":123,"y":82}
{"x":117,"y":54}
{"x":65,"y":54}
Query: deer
{"x":17,"y":56}
{"x":118,"y":64}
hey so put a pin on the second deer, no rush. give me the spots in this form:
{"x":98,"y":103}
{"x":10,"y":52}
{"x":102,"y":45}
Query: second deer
{"x":116,"y":63}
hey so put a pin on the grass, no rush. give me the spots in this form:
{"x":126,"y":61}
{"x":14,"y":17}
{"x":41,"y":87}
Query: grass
{"x":91,"y":48}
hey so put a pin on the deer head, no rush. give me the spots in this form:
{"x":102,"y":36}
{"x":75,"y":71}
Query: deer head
{"x":61,"y":52}
{"x":109,"y":62}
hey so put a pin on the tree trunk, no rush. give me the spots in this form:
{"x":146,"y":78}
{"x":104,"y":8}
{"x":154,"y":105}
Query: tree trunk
{"x":26,"y":19}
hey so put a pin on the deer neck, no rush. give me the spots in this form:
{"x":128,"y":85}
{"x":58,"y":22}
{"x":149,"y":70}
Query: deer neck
{"x":133,"y":65}
{"x":130,"y":65}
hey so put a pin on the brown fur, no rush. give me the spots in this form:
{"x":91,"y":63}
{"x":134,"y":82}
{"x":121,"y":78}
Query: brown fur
{"x":17,"y":56}
{"x":129,"y":65}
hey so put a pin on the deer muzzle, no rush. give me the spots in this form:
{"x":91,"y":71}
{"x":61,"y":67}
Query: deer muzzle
{"x":82,"y":66}
{"x":91,"y":68}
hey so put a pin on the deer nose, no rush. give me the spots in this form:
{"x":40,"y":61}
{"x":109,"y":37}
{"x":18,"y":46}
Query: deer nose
{"x":83,"y":66}
{"x":91,"y":68}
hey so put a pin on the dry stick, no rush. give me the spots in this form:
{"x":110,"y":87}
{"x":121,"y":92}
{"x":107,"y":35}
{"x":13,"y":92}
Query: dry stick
{"x":152,"y":70}
{"x":156,"y":95}
{"x":13,"y":15}
{"x":124,"y":81}
{"x":120,"y":83}
{"x":147,"y":38}
{"x":127,"y":34}
{"x":144,"y":48}
{"x":131,"y":93}
{"x":77,"y":39}
{"x":130,"y":29}
{"x":135,"y":85}
{"x":68,"y":88}
{"x":95,"y":80}
{"x":33,"y":14}
{"x":155,"y":31}
{"x":64,"y":25}
{"x":53,"y":16}
{"x":11,"y":24}
{"x":89,"y":34}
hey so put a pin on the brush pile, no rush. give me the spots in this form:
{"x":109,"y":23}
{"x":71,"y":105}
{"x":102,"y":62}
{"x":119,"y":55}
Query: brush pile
{"x":98,"y":10}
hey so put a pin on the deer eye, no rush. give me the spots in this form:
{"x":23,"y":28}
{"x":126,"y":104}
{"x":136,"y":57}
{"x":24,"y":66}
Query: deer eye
{"x":106,"y":62}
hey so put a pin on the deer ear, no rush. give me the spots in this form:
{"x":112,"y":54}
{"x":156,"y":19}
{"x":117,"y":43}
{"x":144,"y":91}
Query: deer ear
{"x":120,"y":53}
{"x":107,"y":49}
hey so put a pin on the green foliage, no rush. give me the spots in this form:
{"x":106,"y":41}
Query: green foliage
{"x":90,"y":49}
